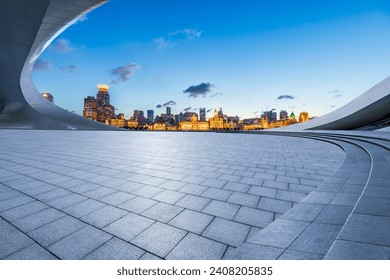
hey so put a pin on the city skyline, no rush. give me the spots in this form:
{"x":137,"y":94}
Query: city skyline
{"x":245,"y":58}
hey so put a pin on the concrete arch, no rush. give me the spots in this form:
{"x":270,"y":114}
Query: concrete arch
{"x":26,"y":29}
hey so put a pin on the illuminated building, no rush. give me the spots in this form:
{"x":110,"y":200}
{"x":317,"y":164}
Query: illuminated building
{"x":48,"y":96}
{"x":119,"y":121}
{"x":202,"y":114}
{"x":188,"y":115}
{"x":150,"y":116}
{"x":132,"y":123}
{"x":90,"y":108}
{"x":193,"y":124}
{"x":229,"y":125}
{"x":105,"y":111}
{"x":216,"y":122}
{"x":303,"y":117}
{"x":283,"y":115}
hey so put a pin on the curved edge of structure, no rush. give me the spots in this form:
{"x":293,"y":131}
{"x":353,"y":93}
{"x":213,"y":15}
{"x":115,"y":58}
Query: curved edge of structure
{"x":26,"y":29}
{"x":371,"y":106}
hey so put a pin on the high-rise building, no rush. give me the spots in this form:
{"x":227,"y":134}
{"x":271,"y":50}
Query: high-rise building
{"x":202,"y":114}
{"x":48,"y":96}
{"x":105,"y":111}
{"x":283,"y":115}
{"x":139,"y":116}
{"x":150,"y":116}
{"x":169,"y":110}
{"x":90,"y":108}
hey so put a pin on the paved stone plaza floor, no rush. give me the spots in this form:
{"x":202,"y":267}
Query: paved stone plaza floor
{"x":175,"y":195}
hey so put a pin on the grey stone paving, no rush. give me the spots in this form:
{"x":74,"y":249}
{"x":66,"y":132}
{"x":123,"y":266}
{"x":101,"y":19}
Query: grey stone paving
{"x":142,"y":195}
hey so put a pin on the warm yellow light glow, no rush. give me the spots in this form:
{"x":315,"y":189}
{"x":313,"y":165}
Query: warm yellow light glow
{"x":102,"y":87}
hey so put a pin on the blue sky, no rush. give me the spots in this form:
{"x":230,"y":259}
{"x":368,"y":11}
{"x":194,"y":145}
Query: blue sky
{"x":244,"y":56}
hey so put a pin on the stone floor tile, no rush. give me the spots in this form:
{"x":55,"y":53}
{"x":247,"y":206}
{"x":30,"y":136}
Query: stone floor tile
{"x":15,"y":202}
{"x":162,"y":212}
{"x":23,"y":210}
{"x":334,"y":214}
{"x":79,"y":244}
{"x":38,"y":219}
{"x":129,"y":226}
{"x":104,"y":216}
{"x":281,"y":233}
{"x":254,"y":217}
{"x":193,"y":189}
{"x":221,"y":209}
{"x":274,"y":205}
{"x":83,"y":208}
{"x":12,"y":239}
{"x":138,"y":204}
{"x":115,"y":249}
{"x":159,"y":239}
{"x":317,"y":238}
{"x":193,"y":202}
{"x":218,"y":194}
{"x":117,"y":198}
{"x":169,"y":196}
{"x":298,"y":255}
{"x":32,"y":252}
{"x":227,"y":232}
{"x":54,"y":231}
{"x":237,"y":187}
{"x":254,"y":252}
{"x":191,"y":221}
{"x":368,"y":229}
{"x":347,"y":250}
{"x":304,"y":212}
{"x":194,"y":247}
{"x":244,"y":199}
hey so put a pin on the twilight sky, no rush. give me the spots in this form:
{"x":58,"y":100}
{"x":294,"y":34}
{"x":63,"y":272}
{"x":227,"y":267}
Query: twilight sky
{"x":244,"y":56}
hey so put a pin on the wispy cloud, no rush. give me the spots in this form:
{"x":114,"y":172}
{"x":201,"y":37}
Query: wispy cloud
{"x":159,"y":106}
{"x":255,"y":113}
{"x":163,"y":43}
{"x":73,"y":69}
{"x":123,"y":73}
{"x":189,"y":33}
{"x":334,"y":91}
{"x":215,"y":94}
{"x":173,"y":37}
{"x":285,"y":96}
{"x":198,"y":90}
{"x":209,"y":110}
{"x":187,"y":109}
{"x":337,"y":95}
{"x":41,"y":65}
{"x":62,"y":46}
{"x":170,"y":103}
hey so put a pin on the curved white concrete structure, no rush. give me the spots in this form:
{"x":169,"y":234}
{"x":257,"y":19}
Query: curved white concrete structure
{"x":26,"y":29}
{"x":371,"y":106}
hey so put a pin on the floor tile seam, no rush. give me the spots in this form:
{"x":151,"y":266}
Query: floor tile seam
{"x":362,"y":242}
{"x":360,"y":196}
{"x":345,"y":152}
{"x":28,"y":236}
{"x":72,"y":192}
{"x":88,"y":224}
{"x":88,"y":171}
{"x":303,"y":252}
